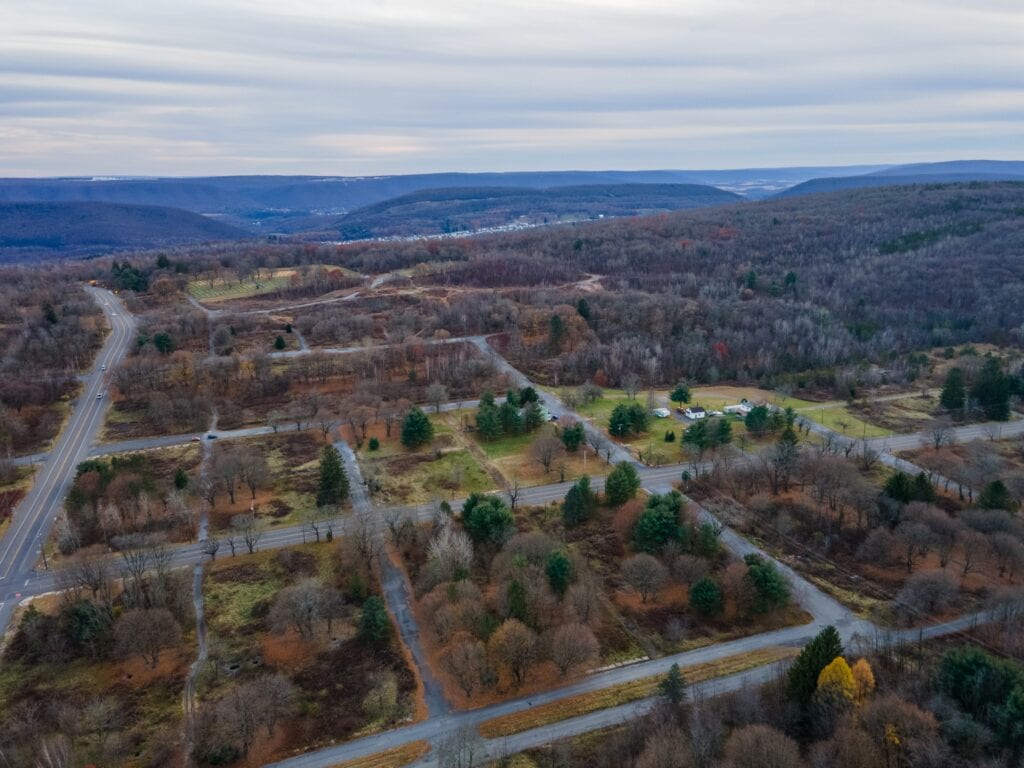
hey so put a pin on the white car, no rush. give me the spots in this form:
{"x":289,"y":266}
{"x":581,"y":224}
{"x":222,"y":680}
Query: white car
{"x":103,"y":367}
{"x":99,"y":396}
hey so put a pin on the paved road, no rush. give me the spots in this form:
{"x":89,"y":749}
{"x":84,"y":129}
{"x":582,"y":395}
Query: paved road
{"x":964,"y":434}
{"x":57,"y":472}
{"x":887,"y":447}
{"x":35,"y":515}
{"x":555,"y":406}
{"x":396,"y":588}
{"x":167,"y":441}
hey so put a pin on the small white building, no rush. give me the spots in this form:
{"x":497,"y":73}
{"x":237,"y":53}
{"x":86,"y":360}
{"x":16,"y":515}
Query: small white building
{"x":695,"y":412}
{"x":742,"y":409}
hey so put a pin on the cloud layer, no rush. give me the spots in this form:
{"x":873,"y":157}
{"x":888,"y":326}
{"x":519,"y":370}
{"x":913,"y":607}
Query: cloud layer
{"x":181,"y":87}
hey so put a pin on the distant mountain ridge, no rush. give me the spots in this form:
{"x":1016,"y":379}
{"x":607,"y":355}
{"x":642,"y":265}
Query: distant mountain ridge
{"x":917,"y":173}
{"x":259,"y":197}
{"x":29,"y":231}
{"x":438,"y":211}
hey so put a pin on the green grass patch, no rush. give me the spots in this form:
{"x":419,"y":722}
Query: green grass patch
{"x":229,"y":604}
{"x":717,"y":397}
{"x":229,"y":286}
{"x":221,"y":289}
{"x":435,"y":474}
{"x":416,"y":477}
{"x":584,"y":703}
{"x":841,"y":419}
{"x":510,"y":445}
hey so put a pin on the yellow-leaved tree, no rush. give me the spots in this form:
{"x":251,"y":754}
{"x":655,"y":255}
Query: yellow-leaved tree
{"x":837,"y":679}
{"x":863,"y":680}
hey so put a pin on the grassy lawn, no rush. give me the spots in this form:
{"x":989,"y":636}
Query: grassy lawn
{"x":456,"y":473}
{"x":507,"y":445}
{"x":716,"y":398}
{"x":289,"y":490}
{"x":903,"y":415}
{"x":120,"y":424}
{"x":509,"y":455}
{"x":601,"y":409}
{"x":444,"y":469}
{"x":833,"y":414}
{"x":230,"y":287}
{"x":236,"y":588}
{"x":390,"y":758}
{"x":841,"y":419}
{"x":224,"y":289}
{"x":582,"y":704}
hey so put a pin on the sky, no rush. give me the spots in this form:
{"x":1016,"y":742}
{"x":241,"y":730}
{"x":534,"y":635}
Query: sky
{"x":185,"y":88}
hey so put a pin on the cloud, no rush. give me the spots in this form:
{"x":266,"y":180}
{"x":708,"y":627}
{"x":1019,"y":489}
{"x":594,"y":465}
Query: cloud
{"x":182,"y":87}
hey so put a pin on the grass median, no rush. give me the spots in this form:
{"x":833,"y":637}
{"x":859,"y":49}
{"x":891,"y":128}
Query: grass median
{"x":389,"y":758}
{"x":624,"y":693}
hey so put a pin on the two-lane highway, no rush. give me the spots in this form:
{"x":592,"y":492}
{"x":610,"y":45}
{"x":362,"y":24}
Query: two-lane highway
{"x":35,"y":515}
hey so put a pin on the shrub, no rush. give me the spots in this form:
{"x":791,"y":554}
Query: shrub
{"x":622,"y":484}
{"x":706,"y":597}
{"x":658,"y":524}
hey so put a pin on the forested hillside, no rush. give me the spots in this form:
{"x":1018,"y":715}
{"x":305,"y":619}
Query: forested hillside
{"x":438,"y":211}
{"x":39,"y":230}
{"x":756,"y":289}
{"x":800,"y":288}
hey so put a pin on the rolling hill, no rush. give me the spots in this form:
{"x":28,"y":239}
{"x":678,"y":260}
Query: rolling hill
{"x":917,"y":173}
{"x":33,"y":231}
{"x":257,"y":201}
{"x":438,"y":211}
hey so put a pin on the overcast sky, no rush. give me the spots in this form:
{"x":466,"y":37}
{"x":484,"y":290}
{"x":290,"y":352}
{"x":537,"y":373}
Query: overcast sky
{"x":189,"y":87}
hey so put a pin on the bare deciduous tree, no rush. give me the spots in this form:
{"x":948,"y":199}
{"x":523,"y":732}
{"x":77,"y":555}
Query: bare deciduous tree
{"x":939,"y":433}
{"x":245,"y":524}
{"x":146,"y":633}
{"x":545,"y":449}
{"x":973,"y":547}
{"x":466,"y":660}
{"x":364,"y":536}
{"x":644,"y":573}
{"x":572,"y":645}
{"x":300,"y":607}
{"x":450,"y":552}
{"x":631,"y":384}
{"x":514,"y":645}
{"x":584,"y":598}
{"x":211,"y":546}
{"x":925,"y":593}
{"x":437,"y":395}
{"x":462,"y":749}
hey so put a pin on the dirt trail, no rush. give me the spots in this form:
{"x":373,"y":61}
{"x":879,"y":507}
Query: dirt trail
{"x":191,"y":683}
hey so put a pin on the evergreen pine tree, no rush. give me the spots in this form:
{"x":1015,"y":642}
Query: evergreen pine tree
{"x":416,"y":429}
{"x":954,"y":392}
{"x":622,"y":484}
{"x":374,"y":622}
{"x":559,"y":571}
{"x":802,"y":677}
{"x":673,"y":686}
{"x":333,"y":486}
{"x":516,"y":596}
{"x":580,"y":503}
